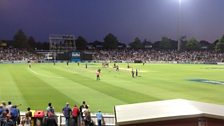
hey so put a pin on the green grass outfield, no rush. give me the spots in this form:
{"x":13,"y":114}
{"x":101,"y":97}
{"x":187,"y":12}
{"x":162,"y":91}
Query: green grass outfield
{"x":35,"y":87}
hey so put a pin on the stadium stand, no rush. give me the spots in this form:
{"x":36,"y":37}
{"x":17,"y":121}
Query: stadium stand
{"x":126,"y":55}
{"x":153,"y":55}
{"x":13,"y":55}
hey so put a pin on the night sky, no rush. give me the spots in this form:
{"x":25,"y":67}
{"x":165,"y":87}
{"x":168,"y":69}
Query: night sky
{"x":126,"y":19}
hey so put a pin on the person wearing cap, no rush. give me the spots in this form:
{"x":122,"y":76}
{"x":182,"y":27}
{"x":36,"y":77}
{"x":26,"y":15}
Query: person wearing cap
{"x":99,"y":117}
{"x":66,"y":112}
{"x":4,"y":105}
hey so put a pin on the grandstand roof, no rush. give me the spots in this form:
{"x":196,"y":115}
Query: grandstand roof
{"x":166,"y":110}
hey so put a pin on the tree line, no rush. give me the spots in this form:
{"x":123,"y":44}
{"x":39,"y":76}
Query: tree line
{"x":110,"y":41}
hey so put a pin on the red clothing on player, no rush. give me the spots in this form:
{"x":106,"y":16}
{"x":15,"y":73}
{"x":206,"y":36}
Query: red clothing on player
{"x":98,"y":75}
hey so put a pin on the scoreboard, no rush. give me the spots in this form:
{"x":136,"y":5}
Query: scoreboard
{"x":75,"y":56}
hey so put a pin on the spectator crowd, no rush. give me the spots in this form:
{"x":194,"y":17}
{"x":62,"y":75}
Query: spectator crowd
{"x":13,"y":54}
{"x":153,"y":55}
{"x":74,"y":116}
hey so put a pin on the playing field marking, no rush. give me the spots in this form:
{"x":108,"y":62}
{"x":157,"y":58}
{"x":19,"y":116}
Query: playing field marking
{"x":214,"y":68}
{"x":44,"y":75}
{"x":208,"y":81}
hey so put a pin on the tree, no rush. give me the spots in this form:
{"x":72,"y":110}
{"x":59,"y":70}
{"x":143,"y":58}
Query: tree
{"x":31,"y":42}
{"x":20,"y":40}
{"x":80,"y":43}
{"x":213,"y":45}
{"x":155,"y":45}
{"x":165,"y":43}
{"x":192,"y":44}
{"x":219,"y":47}
{"x":147,"y":44}
{"x":110,"y":41}
{"x":183,"y":41}
{"x":136,"y":44}
{"x":121,"y":45}
{"x":205,"y":45}
{"x":98,"y":44}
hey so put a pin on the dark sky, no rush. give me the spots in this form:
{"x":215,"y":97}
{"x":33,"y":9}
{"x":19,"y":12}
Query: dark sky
{"x":126,"y":19}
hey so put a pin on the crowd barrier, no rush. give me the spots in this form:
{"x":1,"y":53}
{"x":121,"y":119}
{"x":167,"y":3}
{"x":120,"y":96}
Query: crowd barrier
{"x":109,"y":119}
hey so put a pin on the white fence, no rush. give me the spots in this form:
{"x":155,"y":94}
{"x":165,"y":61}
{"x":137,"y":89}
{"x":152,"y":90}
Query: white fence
{"x":109,"y":119}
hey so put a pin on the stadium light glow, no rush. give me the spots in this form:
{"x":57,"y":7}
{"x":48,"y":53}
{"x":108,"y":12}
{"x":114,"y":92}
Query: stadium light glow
{"x":179,"y":25}
{"x":180,"y":2}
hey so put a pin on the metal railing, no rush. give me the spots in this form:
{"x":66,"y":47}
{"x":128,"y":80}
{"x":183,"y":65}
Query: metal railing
{"x":109,"y":119}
